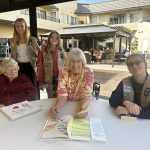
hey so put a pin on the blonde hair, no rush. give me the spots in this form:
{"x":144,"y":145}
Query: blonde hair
{"x":48,"y":44}
{"x":8,"y":63}
{"x":16,"y":35}
{"x":76,"y":54}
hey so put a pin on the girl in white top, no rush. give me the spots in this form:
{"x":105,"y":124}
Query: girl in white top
{"x":24,"y":49}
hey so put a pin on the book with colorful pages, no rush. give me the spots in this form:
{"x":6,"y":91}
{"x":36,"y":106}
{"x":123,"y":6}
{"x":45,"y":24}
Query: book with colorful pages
{"x":68,"y":127}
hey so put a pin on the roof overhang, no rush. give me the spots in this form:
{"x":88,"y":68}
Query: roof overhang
{"x":96,"y":31}
{"x":10,"y":5}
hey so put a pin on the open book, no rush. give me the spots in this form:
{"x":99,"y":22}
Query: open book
{"x":71,"y":128}
{"x":19,"y":110}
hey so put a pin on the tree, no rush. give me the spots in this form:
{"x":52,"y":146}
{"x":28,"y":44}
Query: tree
{"x":134,"y":45}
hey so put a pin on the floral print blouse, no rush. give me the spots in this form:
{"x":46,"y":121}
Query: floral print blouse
{"x":75,"y":87}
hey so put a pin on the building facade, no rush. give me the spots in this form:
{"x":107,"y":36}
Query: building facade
{"x":51,"y":17}
{"x":132,"y":14}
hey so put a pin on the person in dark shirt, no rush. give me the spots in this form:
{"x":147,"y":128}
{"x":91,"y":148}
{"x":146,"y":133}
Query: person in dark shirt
{"x":132,"y":95}
{"x":14,"y":87}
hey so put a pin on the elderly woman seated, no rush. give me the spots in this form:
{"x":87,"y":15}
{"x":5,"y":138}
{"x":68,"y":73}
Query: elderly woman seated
{"x":14,"y":87}
{"x":74,"y":82}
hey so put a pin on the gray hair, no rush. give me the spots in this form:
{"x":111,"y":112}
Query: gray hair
{"x":8,"y":63}
{"x":76,"y":54}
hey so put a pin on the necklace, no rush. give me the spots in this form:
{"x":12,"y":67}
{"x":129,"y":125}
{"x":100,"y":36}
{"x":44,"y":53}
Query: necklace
{"x":74,"y":82}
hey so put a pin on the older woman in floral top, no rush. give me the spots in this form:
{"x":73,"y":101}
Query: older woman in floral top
{"x":75,"y":82}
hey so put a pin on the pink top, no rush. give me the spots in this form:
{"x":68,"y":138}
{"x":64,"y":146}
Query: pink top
{"x":77,"y":86}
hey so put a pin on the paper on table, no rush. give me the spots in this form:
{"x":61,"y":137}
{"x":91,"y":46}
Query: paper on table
{"x":97,"y":131}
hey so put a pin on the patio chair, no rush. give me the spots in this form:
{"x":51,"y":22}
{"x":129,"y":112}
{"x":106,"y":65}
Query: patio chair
{"x":88,"y":58}
{"x":103,"y":57}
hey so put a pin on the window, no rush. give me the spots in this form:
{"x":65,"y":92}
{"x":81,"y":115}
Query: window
{"x":53,"y":14}
{"x":65,"y":18}
{"x":73,"y":20}
{"x":117,"y":20}
{"x":41,"y":14}
{"x":93,"y":19}
{"x":134,"y":17}
{"x":81,"y":22}
{"x":53,"y":17}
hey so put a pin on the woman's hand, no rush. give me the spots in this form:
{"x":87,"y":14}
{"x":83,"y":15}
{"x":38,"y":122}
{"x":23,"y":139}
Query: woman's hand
{"x":121,"y":110}
{"x":60,"y":103}
{"x":53,"y":112}
{"x":133,"y":108}
{"x":82,"y":114}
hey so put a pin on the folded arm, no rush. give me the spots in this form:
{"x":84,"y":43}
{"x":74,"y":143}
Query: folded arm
{"x":116,"y":98}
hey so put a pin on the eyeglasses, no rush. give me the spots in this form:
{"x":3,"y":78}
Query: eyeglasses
{"x":137,"y":63}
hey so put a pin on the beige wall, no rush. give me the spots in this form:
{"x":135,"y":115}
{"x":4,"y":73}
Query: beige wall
{"x":13,"y":15}
{"x":6,"y":30}
{"x":143,"y":35}
{"x":146,"y":13}
{"x":43,"y":25}
{"x":67,"y":8}
{"x":104,"y":19}
{"x":63,"y":9}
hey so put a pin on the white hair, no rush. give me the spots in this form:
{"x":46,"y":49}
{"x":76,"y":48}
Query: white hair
{"x":76,"y":54}
{"x":8,"y":63}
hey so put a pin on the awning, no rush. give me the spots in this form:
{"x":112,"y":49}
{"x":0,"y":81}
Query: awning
{"x":98,"y":30}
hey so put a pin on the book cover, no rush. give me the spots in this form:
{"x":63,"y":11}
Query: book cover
{"x":128,"y":117}
{"x":20,"y":110}
{"x":67,"y":127}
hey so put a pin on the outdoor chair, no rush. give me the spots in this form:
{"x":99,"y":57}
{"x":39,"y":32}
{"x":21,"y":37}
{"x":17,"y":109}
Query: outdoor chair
{"x":119,"y":57}
{"x":103,"y":57}
{"x":88,"y":58}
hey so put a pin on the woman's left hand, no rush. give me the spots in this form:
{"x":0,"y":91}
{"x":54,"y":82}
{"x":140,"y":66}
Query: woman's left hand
{"x":133,"y":108}
{"x":120,"y":110}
